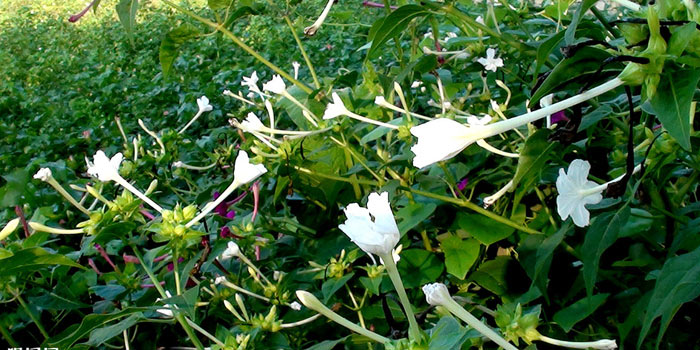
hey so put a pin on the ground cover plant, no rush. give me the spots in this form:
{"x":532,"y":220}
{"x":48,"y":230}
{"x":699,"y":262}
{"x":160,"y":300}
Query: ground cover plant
{"x":355,"y":175}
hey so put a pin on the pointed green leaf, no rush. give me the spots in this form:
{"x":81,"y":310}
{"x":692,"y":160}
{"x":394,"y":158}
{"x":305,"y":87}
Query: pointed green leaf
{"x":392,"y":25}
{"x":32,"y":259}
{"x":602,"y":234}
{"x":171,"y":44}
{"x":572,"y":314}
{"x":578,"y":15}
{"x":126,"y":10}
{"x":486,"y":230}
{"x":672,"y":103}
{"x":460,"y":254}
{"x":532,"y":158}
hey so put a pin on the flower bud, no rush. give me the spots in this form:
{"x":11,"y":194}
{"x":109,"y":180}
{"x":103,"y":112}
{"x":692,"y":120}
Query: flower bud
{"x":436,"y":294}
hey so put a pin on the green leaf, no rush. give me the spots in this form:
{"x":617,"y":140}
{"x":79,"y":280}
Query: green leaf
{"x":126,"y":10}
{"x":672,"y":103}
{"x":413,"y":214}
{"x":70,"y":336}
{"x":482,"y":228}
{"x":677,"y":283}
{"x":11,"y":193}
{"x":32,"y":259}
{"x":327,"y":344}
{"x":602,"y":234}
{"x":101,"y":335}
{"x":567,"y":317}
{"x":593,"y":117}
{"x":532,"y":158}
{"x":219,"y":4}
{"x":537,"y":261}
{"x":171,"y":44}
{"x":580,"y":11}
{"x":680,"y":38}
{"x":393,"y":24}
{"x":492,"y":275}
{"x":545,"y":49}
{"x":460,"y":254}
{"x":418,"y":267}
{"x":447,"y":334}
{"x":332,"y":285}
{"x":585,"y":61}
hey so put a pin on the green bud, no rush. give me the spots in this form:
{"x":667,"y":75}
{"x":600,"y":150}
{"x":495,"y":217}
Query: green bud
{"x":633,"y":74}
{"x":189,"y":212}
{"x":168,"y":215}
{"x":633,"y":33}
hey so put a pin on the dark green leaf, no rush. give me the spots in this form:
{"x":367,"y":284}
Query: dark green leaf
{"x":602,"y":234}
{"x":545,"y":49}
{"x":393,"y":24}
{"x":492,"y":275}
{"x":413,"y":214}
{"x":418,"y":267}
{"x":486,"y":230}
{"x":327,"y":344}
{"x":170,"y":45}
{"x":101,"y":335}
{"x":578,"y":15}
{"x":593,"y":117}
{"x":70,"y":336}
{"x":32,"y":259}
{"x":447,"y":334}
{"x":460,"y":254}
{"x":672,"y":103}
{"x":533,"y":156}
{"x":11,"y":193}
{"x":677,"y":283}
{"x":572,"y":314}
{"x":333,"y":284}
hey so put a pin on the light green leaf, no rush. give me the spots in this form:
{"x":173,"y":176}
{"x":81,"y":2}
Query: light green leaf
{"x":545,"y":49}
{"x":602,"y":234}
{"x":567,"y":317}
{"x":32,"y":259}
{"x":447,"y":334}
{"x":578,"y":15}
{"x":677,"y":283}
{"x":680,"y":38}
{"x":460,"y":254}
{"x":171,"y":44}
{"x":672,"y":103}
{"x":126,"y":10}
{"x":413,"y":214}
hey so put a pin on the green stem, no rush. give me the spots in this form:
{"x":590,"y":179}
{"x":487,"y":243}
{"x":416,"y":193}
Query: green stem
{"x":205,"y":333}
{"x":176,"y":272}
{"x":242,"y":45}
{"x":473,"y":322}
{"x":303,"y":53}
{"x":179,"y":317}
{"x":67,"y":195}
{"x":7,"y":336}
{"x":31,"y":315}
{"x":413,"y":329}
{"x":473,"y":207}
{"x":615,"y":33}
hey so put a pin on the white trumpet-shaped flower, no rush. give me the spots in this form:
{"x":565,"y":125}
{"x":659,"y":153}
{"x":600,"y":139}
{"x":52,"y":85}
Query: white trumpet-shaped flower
{"x":312,"y":29}
{"x":203,"y":104}
{"x":441,"y":139}
{"x":244,"y":171}
{"x":104,"y":168}
{"x":575,"y":191}
{"x":491,"y":62}
{"x":295,"y":306}
{"x":335,"y":108}
{"x":374,"y":228}
{"x":44,"y":174}
{"x":232,"y":250}
{"x":251,"y":82}
{"x":436,"y":294}
{"x":296,"y":65}
{"x":252,"y":123}
{"x":275,"y":85}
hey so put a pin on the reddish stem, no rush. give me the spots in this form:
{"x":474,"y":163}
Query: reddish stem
{"x":74,"y":18}
{"x":20,"y":214}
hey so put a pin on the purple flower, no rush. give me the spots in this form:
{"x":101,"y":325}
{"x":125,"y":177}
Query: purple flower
{"x":222,"y":208}
{"x":558,"y":117}
{"x":462,"y":184}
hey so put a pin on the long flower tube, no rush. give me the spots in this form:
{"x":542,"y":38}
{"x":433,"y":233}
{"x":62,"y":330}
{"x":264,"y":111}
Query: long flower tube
{"x":59,"y":231}
{"x":180,"y":164}
{"x":44,"y":174}
{"x":603,"y":344}
{"x":312,"y":29}
{"x":437,"y":294}
{"x":442,"y":139}
{"x":310,"y":301}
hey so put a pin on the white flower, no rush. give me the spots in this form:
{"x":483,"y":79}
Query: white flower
{"x":178,"y":164}
{"x":219,"y":280}
{"x":167,"y":309}
{"x":251,"y":82}
{"x":231,"y":251}
{"x":604,"y":344}
{"x":103,"y":168}
{"x":441,"y":139}
{"x":311,"y":30}
{"x":450,"y":35}
{"x":252,"y":123}
{"x":203,"y":104}
{"x":436,"y":294}
{"x":295,"y":306}
{"x":44,"y":174}
{"x":275,"y":85}
{"x":416,"y":84}
{"x":490,"y":62}
{"x":296,"y":66}
{"x":378,"y":236}
{"x":476,"y":121}
{"x":575,"y":191}
{"x":245,"y":172}
{"x":480,"y":20}
{"x":544,"y":102}
{"x":336,"y":108}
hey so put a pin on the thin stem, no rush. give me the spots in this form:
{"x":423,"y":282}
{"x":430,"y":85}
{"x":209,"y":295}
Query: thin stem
{"x":244,"y":291}
{"x":7,"y":336}
{"x":153,"y":135}
{"x":58,"y":231}
{"x":303,"y":52}
{"x":473,"y":322}
{"x":205,"y":333}
{"x":252,"y":266}
{"x":67,"y":195}
{"x":120,"y":180}
{"x":194,"y":167}
{"x":196,"y":116}
{"x":371,"y":121}
{"x":483,"y":144}
{"x":179,"y":317}
{"x":126,"y":340}
{"x":413,"y":329}
{"x":31,"y":315}
{"x":176,"y":272}
{"x":211,"y":205}
{"x":242,"y":45}
{"x":121,"y":129}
